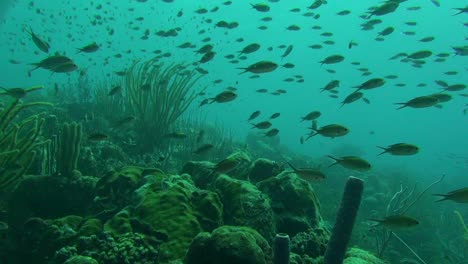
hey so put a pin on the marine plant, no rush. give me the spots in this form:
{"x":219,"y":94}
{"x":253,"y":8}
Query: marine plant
{"x":108,"y":100}
{"x":462,"y":222}
{"x":200,"y":132}
{"x":399,"y":204}
{"x":157,"y":95}
{"x":19,"y":140}
{"x":454,"y":247}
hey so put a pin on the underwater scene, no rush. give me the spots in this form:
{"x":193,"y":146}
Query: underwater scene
{"x":233,"y":132}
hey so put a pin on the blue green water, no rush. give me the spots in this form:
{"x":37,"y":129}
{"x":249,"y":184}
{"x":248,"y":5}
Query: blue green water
{"x":441,"y":133}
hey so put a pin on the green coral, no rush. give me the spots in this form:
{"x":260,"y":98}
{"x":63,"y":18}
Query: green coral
{"x":229,"y":245}
{"x":296,"y":207}
{"x":81,"y":260}
{"x":245,"y":205}
{"x":119,"y":224}
{"x":208,"y":209}
{"x":114,"y":189}
{"x":71,"y":221}
{"x":91,"y":226}
{"x":359,"y":256}
{"x":465,"y":229}
{"x":165,"y":203}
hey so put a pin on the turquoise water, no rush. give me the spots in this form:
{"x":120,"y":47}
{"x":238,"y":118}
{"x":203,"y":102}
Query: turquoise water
{"x":440,"y":133}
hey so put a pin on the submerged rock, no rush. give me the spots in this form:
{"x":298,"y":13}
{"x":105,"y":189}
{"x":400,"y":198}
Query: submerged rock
{"x":201,"y":172}
{"x":116,"y":187}
{"x":119,"y":224}
{"x":50,"y":197}
{"x":263,"y":169}
{"x":312,"y":243}
{"x":208,"y":209}
{"x":242,"y":170}
{"x":37,"y":239}
{"x":294,"y":203}
{"x":245,"y":205}
{"x":91,"y":226}
{"x":204,"y":173}
{"x":229,"y":245}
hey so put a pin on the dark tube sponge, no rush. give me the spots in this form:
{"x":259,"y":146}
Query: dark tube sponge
{"x":341,"y":233}
{"x":281,"y":249}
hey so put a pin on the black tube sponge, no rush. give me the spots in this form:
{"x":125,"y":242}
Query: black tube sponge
{"x":341,"y":233}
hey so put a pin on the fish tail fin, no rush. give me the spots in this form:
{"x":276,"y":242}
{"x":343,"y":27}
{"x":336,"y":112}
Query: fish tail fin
{"x":385,"y":150}
{"x":245,"y":70}
{"x":290,"y":165}
{"x":377,"y":223}
{"x":403,"y":105}
{"x":28,"y":29}
{"x":309,"y":136}
{"x":335,"y":159}
{"x":444,"y":197}
{"x":37,"y":66}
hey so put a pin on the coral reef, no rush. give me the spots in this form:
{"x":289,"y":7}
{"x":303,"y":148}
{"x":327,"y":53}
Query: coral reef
{"x":78,"y":239}
{"x":50,"y":197}
{"x":143,"y":215}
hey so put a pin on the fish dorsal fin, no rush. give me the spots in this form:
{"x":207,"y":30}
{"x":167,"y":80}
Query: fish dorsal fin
{"x":292,"y":167}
